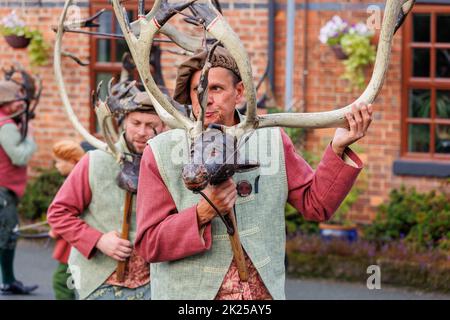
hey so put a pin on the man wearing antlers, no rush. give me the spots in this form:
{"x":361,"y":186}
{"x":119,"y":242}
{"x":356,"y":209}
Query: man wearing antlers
{"x":15,"y":153}
{"x":87,"y":209}
{"x":179,"y":233}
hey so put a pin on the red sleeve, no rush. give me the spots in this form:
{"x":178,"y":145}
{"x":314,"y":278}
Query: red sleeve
{"x":69,"y":203}
{"x":163,"y":233}
{"x":318,"y":194}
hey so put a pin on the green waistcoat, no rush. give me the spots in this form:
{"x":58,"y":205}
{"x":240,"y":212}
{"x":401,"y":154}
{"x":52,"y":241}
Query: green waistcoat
{"x":260,"y":220}
{"x":104,"y":213}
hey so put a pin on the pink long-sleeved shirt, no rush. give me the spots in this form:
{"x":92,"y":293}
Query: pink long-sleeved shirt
{"x":63,"y":216}
{"x":163,"y":236}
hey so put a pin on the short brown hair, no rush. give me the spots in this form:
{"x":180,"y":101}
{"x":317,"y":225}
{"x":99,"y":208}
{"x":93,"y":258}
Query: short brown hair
{"x":220,"y":58}
{"x":68,"y":150}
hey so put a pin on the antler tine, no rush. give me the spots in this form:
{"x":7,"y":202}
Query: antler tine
{"x":140,"y":50}
{"x":189,"y":43}
{"x":37,"y":96}
{"x":406,"y":8}
{"x":75,"y":58}
{"x":336,"y":118}
{"x":109,"y":87}
{"x":104,"y":118}
{"x":203,"y":89}
{"x":62,"y":89}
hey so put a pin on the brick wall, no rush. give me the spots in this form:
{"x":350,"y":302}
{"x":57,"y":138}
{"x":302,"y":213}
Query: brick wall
{"x":324,"y":88}
{"x":51,"y":123}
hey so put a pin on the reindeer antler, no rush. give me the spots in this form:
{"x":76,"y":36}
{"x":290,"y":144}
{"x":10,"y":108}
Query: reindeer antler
{"x":100,"y":110}
{"x":214,"y":23}
{"x":395,"y":13}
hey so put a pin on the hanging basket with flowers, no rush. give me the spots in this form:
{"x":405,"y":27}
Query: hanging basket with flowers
{"x":19,"y":36}
{"x":351,"y":43}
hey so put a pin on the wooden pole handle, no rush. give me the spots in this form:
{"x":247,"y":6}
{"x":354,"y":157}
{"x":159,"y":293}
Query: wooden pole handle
{"x":121,"y":265}
{"x":236,"y":246}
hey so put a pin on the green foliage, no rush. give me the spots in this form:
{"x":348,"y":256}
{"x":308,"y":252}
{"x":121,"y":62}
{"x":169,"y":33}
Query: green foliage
{"x":420,"y":218}
{"x":401,"y":263}
{"x":296,"y":223}
{"x":296,"y":134}
{"x":38,"y":50}
{"x":442,"y":105}
{"x":40,"y":193}
{"x":360,"y":54}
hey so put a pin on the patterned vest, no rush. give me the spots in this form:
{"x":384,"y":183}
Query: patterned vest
{"x":105,"y":213}
{"x":260,"y":220}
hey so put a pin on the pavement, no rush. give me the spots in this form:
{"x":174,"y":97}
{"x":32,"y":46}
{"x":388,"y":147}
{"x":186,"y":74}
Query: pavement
{"x":34,"y":265}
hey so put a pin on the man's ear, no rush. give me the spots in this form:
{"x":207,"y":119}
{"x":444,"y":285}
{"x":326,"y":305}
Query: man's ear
{"x":124,"y":122}
{"x":239,"y":87}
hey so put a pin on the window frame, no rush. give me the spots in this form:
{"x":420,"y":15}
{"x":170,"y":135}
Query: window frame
{"x":431,"y":83}
{"x":110,"y":67}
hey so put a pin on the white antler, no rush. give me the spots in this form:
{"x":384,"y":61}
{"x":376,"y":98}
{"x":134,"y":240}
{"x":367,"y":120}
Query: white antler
{"x":394,"y":11}
{"x":65,"y":99}
{"x":140,"y":47}
{"x":140,"y":34}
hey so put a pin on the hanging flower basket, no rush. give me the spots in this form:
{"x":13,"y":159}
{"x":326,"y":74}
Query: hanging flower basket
{"x":19,"y":36}
{"x":352,"y":43}
{"x":331,"y":231}
{"x":17,"y":42}
{"x":339,"y":52}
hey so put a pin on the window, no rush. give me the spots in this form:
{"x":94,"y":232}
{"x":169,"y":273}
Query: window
{"x":106,"y":53}
{"x":426,"y":84}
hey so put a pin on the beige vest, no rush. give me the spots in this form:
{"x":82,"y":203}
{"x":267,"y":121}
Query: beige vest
{"x":260,"y":220}
{"x":105,"y":213}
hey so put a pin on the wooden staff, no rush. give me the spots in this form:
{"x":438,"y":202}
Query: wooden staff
{"x":236,"y":246}
{"x":230,"y":222}
{"x":120,"y":270}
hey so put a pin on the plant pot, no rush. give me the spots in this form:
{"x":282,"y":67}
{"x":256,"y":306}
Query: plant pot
{"x":335,"y":231}
{"x":17,"y":42}
{"x":338,"y":52}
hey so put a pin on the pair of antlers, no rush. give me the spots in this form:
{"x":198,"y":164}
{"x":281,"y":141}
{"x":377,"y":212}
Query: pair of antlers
{"x":31,"y":89}
{"x":140,"y":34}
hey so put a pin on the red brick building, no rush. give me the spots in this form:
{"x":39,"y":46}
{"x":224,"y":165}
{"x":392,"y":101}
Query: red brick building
{"x":403,"y":146}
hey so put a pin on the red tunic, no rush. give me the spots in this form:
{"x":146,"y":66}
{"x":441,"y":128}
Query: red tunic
{"x":12,"y":177}
{"x":63,"y":216}
{"x":162,"y":236}
{"x":61,"y":251}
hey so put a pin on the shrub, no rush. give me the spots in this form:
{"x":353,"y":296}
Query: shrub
{"x":40,"y":193}
{"x":401,"y":262}
{"x":420,"y":218}
{"x":296,"y":223}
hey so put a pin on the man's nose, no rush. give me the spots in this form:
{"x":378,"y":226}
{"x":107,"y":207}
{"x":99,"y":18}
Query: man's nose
{"x":141,"y":131}
{"x":210,"y":99}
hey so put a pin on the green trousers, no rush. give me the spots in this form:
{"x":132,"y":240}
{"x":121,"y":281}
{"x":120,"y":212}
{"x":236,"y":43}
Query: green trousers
{"x":8,"y":239}
{"x":9,"y":219}
{"x":60,"y":277}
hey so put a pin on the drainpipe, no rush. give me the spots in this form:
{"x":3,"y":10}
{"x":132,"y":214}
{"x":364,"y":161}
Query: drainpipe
{"x":305,"y":58}
{"x":271,"y":44}
{"x":290,"y":30}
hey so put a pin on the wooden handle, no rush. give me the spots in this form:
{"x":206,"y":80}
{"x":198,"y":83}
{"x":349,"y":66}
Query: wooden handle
{"x":120,"y":270}
{"x":238,"y":252}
